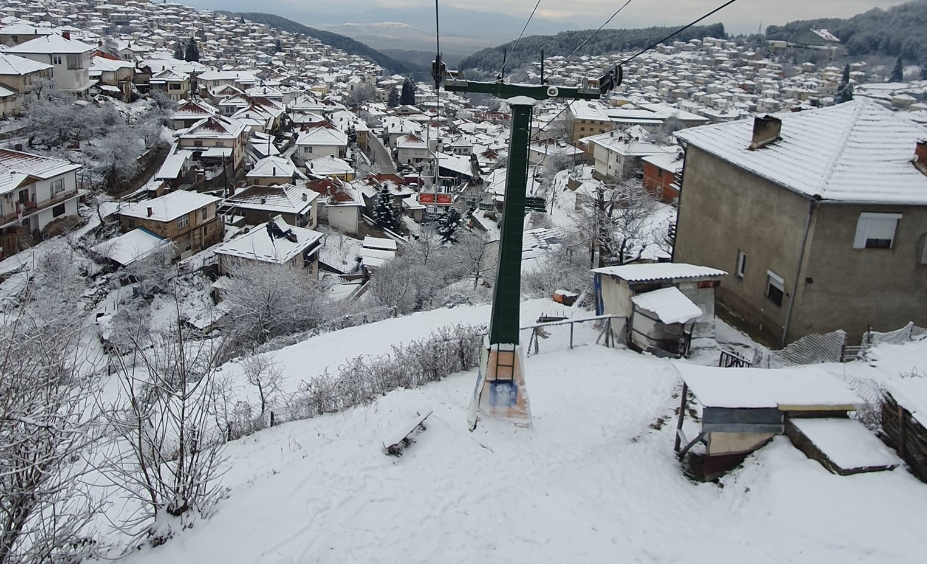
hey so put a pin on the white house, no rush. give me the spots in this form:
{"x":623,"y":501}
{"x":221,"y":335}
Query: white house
{"x":69,"y":58}
{"x":321,"y":141}
{"x":34,"y":191}
{"x":412,"y":150}
{"x":274,"y":243}
{"x":618,"y":155}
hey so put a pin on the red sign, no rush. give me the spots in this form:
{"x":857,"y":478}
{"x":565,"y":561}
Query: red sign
{"x":424,"y":198}
{"x":445,"y":199}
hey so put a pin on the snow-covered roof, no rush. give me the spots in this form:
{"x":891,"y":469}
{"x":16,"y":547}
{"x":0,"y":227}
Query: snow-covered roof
{"x":379,"y":243}
{"x":626,"y":145}
{"x":214,"y":127}
{"x":325,"y":165}
{"x":410,"y":142}
{"x":592,"y":110}
{"x":194,"y":109}
{"x":647,"y":272}
{"x":173,"y":165}
{"x":666,"y":161}
{"x":17,"y":166}
{"x":322,"y":135}
{"x":53,"y":44}
{"x":169,"y":206}
{"x":271,"y":167}
{"x":277,"y":199}
{"x":856,"y":152}
{"x":668,"y":304}
{"x":19,"y":66}
{"x":911,"y":394}
{"x":795,"y":388}
{"x":260,"y":245}
{"x":132,"y":246}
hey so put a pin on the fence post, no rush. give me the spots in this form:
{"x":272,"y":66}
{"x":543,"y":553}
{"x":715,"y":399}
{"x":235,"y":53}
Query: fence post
{"x":271,"y":418}
{"x":608,"y":331}
{"x":534,"y":334}
{"x":571,"y":334}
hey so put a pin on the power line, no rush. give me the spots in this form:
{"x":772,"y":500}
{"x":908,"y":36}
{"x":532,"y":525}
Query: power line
{"x":677,"y":32}
{"x":588,"y":39}
{"x":505,"y":58}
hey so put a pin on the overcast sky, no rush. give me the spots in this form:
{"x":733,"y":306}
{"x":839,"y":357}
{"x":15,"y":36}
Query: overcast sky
{"x":742,"y":16}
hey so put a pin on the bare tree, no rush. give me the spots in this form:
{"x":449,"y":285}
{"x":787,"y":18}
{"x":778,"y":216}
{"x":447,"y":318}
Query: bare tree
{"x":47,"y":424}
{"x":396,"y":285}
{"x":618,"y":224}
{"x":265,"y":375}
{"x":478,"y":256}
{"x":167,"y":454}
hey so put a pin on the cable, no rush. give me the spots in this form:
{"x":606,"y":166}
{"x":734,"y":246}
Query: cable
{"x":505,"y":59}
{"x":581,"y":45}
{"x":677,"y":32}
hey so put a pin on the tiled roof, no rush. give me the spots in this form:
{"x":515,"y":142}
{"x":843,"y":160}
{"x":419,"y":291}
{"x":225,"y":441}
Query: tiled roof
{"x":277,"y":199}
{"x":16,"y":166}
{"x":852,"y":152}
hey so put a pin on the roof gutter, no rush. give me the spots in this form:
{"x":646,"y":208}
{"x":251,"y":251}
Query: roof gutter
{"x":812,"y":204}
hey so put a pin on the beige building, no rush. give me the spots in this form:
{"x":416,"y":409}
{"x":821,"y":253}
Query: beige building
{"x":189,"y":219}
{"x":217,"y":138}
{"x":820,"y":216}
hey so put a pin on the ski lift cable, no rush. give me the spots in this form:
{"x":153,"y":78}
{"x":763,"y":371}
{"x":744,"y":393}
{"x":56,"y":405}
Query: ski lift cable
{"x":505,"y":58}
{"x":588,"y":39}
{"x":677,"y":32}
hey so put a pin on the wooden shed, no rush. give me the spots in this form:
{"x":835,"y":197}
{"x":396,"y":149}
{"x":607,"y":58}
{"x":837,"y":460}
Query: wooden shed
{"x":743,"y":408}
{"x":904,"y":420}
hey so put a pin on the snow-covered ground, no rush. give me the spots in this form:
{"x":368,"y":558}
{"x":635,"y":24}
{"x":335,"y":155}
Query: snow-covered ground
{"x":595,"y":480}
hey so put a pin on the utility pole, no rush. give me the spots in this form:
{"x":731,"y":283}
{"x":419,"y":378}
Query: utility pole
{"x":501,"y":392}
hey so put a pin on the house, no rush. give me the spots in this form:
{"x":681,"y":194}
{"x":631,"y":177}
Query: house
{"x":412,"y":150}
{"x":220,"y":139}
{"x":274,"y":243}
{"x":820,"y":214}
{"x":321,"y":141}
{"x":587,"y":118}
{"x":330,"y":167}
{"x":549,"y":151}
{"x":273,"y":170}
{"x":664,"y":321}
{"x":17,"y":74}
{"x":69,"y":58}
{"x":174,"y":84}
{"x":297,"y":205}
{"x":190,"y":112}
{"x":618,"y":155}
{"x":376,"y":251}
{"x":16,"y":33}
{"x":112,"y":74}
{"x":662,"y":173}
{"x":189,"y":219}
{"x":35,"y":191}
{"x":340,"y":206}
{"x":131,"y":247}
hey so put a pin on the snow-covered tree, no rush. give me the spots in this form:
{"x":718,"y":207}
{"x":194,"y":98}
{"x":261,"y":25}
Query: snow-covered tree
{"x":361,"y":94}
{"x":844,"y":89}
{"x":393,"y":99}
{"x":407,"y":97}
{"x":397,"y":285}
{"x":110,"y":45}
{"x":478,"y":256}
{"x":168,"y":454}
{"x":897,"y":71}
{"x":266,"y":301}
{"x":384,"y":211}
{"x":264,"y":374}
{"x":47,"y":422}
{"x":116,"y":155}
{"x":618,"y":224}
{"x":179,"y":51}
{"x":448,"y":224}
{"x":191,"y":51}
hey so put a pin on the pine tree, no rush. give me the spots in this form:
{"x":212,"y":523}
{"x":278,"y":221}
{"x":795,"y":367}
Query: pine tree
{"x":407,"y":98}
{"x":448,"y":224}
{"x":393,"y":99}
{"x":845,"y":89}
{"x":192,"y":52}
{"x":384,"y":212}
{"x":178,"y":51}
{"x":278,"y":47}
{"x":897,"y":72}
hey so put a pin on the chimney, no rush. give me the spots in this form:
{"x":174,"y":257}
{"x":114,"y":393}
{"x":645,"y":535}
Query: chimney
{"x":273,"y":171}
{"x":150,"y":211}
{"x":66,"y":35}
{"x":305,"y":197}
{"x":920,"y":155}
{"x":766,"y":130}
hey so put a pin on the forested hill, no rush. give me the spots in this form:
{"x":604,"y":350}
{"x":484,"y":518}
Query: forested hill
{"x":900,"y":30}
{"x":346,"y":44}
{"x":563,"y":43}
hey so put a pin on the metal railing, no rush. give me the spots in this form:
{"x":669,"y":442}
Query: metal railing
{"x":567,"y":334}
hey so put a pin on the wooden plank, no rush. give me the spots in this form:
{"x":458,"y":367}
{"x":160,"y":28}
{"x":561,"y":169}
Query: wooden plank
{"x":835,"y":408}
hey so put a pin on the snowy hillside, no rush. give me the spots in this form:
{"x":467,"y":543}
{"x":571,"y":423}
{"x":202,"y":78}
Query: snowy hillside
{"x":595,"y":480}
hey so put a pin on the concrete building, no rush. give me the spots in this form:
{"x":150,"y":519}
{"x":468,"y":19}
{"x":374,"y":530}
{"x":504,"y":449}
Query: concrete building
{"x":69,"y":58}
{"x":189,"y":219}
{"x":821,"y":216}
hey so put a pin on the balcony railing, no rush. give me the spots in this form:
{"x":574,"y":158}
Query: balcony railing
{"x":31,"y":208}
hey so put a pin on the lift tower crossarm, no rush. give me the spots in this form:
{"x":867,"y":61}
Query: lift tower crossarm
{"x":534,"y":91}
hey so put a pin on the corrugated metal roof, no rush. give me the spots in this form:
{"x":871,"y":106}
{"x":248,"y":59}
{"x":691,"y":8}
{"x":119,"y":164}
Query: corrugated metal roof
{"x":644,"y":272}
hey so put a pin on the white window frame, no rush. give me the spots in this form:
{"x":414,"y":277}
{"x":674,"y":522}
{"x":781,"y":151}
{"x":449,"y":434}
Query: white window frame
{"x":183,"y":221}
{"x":872,"y":227}
{"x":741,"y":264}
{"x":775,"y":281}
{"x":57,"y":186}
{"x":56,"y":59}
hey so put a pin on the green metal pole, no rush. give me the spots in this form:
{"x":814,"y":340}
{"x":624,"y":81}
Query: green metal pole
{"x":506,"y":300}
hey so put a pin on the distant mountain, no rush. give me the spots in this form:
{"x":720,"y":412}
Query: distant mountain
{"x":563,"y":43}
{"x":346,"y":44}
{"x":900,"y":30}
{"x":463,"y":31}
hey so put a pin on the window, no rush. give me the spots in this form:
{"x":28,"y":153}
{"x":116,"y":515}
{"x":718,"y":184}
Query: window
{"x":876,"y":230}
{"x":197,"y":143}
{"x":183,"y":221}
{"x":775,"y":287}
{"x":57,"y":186}
{"x":659,"y":173}
{"x":205,"y":215}
{"x":75,"y":62}
{"x":308,"y":149}
{"x":174,"y":86}
{"x":56,"y":60}
{"x":58,"y":210}
{"x":741,"y":264}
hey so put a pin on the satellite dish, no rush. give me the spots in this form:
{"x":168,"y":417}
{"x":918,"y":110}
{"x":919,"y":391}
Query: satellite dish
{"x":552,"y":91}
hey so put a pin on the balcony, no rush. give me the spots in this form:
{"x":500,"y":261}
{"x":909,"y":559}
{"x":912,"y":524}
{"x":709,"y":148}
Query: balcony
{"x":30,"y":208}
